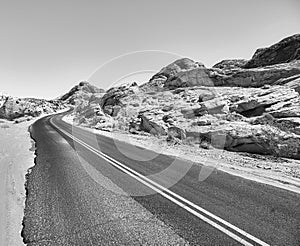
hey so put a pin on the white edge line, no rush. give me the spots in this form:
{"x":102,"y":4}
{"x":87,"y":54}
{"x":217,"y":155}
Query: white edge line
{"x":144,"y":180}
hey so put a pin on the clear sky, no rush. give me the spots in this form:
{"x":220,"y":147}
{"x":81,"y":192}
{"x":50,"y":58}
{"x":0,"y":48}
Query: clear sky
{"x":46,"y":47}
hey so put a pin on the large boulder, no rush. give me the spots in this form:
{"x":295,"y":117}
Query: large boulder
{"x":284,"y":51}
{"x":176,"y":132}
{"x":218,"y":105}
{"x":194,"y":111}
{"x":180,"y":65}
{"x":111,"y":102}
{"x":90,"y":114}
{"x":104,"y":123}
{"x":150,"y":126}
{"x":83,"y":90}
{"x":194,"y":77}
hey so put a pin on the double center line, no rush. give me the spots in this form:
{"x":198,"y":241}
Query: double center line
{"x":232,"y":231}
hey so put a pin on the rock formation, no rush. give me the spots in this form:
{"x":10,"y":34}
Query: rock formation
{"x":237,"y":105}
{"x":285,"y":51}
{"x":20,"y":109}
{"x":83,"y":89}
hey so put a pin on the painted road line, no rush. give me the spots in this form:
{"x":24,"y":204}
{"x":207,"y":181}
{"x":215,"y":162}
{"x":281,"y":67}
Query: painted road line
{"x":177,"y":199}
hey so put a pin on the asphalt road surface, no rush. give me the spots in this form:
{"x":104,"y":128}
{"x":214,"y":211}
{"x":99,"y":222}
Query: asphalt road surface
{"x":85,"y":190}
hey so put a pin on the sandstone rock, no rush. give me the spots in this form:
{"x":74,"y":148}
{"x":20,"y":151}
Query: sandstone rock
{"x":216,"y":106}
{"x":294,"y":84}
{"x":176,"y":132}
{"x":105,"y":126}
{"x":192,"y":112}
{"x":256,"y":77}
{"x":284,"y":81}
{"x":284,"y":51}
{"x":154,"y":85}
{"x":205,"y":145}
{"x":265,"y":119}
{"x":291,"y":124}
{"x":134,"y":126}
{"x":206,"y":96}
{"x":244,"y":137}
{"x":194,"y":77}
{"x":174,"y":68}
{"x":167,"y":108}
{"x":168,"y":119}
{"x":230,"y":64}
{"x":13,"y":108}
{"x":151,"y":127}
{"x":115,"y":110}
{"x":232,"y":106}
{"x":265,"y":101}
{"x":201,"y":122}
{"x":83,"y":89}
{"x":113,"y":97}
{"x":205,"y":120}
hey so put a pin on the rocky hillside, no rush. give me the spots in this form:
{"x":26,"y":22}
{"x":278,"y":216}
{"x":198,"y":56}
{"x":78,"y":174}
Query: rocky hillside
{"x":82,"y":91}
{"x":21,"y":109}
{"x":239,"y":105}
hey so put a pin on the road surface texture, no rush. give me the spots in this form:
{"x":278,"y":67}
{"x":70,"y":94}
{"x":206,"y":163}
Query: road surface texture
{"x":76,"y":196}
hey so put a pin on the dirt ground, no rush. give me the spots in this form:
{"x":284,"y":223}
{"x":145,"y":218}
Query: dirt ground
{"x":16,"y":156}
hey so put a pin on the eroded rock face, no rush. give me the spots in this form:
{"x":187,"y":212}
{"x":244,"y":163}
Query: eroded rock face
{"x":258,"y":77}
{"x":286,"y":50}
{"x":89,"y":113}
{"x":176,"y":67}
{"x":292,"y":82}
{"x":255,"y":120}
{"x":151,"y":127}
{"x":83,"y":90}
{"x":271,"y":101}
{"x":194,"y":77}
{"x":245,"y":137}
{"x":111,"y":102}
{"x":255,"y":77}
{"x":230,"y":64}
{"x":13,"y":108}
{"x":233,"y":106}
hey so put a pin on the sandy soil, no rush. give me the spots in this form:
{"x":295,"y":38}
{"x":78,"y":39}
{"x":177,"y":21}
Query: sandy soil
{"x":279,"y":172}
{"x":17,"y":154}
{"x":16,"y":157}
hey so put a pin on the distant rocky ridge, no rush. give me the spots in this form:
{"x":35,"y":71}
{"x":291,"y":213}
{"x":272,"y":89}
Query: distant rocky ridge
{"x":239,"y":105}
{"x":287,"y":50}
{"x":22,"y":109}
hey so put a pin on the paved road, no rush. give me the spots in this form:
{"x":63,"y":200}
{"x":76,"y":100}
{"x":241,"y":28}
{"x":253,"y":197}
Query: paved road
{"x":74,"y":198}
